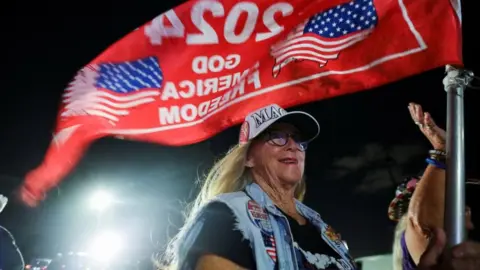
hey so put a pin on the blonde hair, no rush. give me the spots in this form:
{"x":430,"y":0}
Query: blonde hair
{"x":229,"y":174}
{"x":397,"y":253}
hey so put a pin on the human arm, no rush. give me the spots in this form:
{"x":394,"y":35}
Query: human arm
{"x":427,"y":205}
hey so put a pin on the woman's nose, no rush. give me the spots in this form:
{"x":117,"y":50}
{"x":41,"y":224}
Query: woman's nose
{"x":291,"y":144}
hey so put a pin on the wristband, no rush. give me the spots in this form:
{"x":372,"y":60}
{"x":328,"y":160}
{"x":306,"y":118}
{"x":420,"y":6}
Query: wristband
{"x":436,"y":163}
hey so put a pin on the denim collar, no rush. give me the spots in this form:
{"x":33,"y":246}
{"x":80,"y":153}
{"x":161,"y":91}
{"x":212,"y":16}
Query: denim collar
{"x":258,"y":195}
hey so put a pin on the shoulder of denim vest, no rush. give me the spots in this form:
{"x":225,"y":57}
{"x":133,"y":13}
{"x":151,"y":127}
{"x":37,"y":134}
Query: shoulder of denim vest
{"x":232,"y":200}
{"x":237,"y":202}
{"x":194,"y":225}
{"x":231,"y":196}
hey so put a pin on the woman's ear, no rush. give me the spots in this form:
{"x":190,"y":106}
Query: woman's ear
{"x":249,"y":162}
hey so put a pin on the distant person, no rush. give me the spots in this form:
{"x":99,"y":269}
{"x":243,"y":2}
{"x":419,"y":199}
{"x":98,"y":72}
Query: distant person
{"x":419,"y":205}
{"x":465,"y":256}
{"x":249,"y":213}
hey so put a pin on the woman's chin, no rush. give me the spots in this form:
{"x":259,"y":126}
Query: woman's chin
{"x":291,"y":180}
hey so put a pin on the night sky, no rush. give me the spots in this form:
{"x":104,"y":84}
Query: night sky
{"x":367,"y":144}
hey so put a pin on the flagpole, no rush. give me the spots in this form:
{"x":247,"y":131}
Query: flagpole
{"x":455,"y":83}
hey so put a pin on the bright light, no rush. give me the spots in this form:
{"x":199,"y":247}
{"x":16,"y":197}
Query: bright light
{"x":105,"y":246}
{"x":101,"y":200}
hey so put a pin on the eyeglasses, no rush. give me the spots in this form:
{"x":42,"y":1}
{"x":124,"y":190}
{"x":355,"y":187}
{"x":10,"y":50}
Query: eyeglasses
{"x":280,"y":138}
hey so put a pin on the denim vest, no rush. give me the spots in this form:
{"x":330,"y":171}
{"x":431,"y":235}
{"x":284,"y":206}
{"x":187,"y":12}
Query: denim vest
{"x":267,"y":229}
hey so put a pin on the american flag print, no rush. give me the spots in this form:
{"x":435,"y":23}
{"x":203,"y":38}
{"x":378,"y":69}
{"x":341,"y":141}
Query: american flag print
{"x":111,"y":90}
{"x":270,"y":247}
{"x":323,"y":36}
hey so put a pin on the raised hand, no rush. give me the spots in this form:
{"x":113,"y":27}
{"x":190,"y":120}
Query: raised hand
{"x":424,"y":121}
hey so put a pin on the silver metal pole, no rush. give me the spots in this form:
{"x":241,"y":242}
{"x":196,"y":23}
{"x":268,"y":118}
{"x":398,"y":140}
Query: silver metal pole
{"x":455,"y":83}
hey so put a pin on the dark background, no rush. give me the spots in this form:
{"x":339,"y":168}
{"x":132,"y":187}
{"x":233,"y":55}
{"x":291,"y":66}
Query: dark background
{"x":368,"y":142}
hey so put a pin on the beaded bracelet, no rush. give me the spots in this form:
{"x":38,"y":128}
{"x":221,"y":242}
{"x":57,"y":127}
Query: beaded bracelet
{"x":436,"y":163}
{"x":438,"y":158}
{"x":438,"y":155}
{"x":437,"y":152}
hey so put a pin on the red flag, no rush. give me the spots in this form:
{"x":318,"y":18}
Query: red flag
{"x":201,"y":67}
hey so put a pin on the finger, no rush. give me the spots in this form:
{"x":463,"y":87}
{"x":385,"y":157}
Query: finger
{"x":435,"y":134}
{"x":434,"y":249}
{"x":429,"y":120}
{"x":468,"y":249}
{"x":419,"y":114}
{"x":411,"y":109}
{"x":414,"y":113}
{"x":428,"y":125}
{"x":432,"y":127}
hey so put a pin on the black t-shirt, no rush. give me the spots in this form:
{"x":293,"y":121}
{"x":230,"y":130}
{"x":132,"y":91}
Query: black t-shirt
{"x":219,"y":237}
{"x":313,"y":255}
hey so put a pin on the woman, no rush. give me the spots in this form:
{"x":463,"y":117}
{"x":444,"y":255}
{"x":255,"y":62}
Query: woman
{"x":249,"y":214}
{"x":420,"y":211}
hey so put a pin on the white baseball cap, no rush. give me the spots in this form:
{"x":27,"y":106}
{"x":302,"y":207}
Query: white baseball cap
{"x":259,"y":120}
